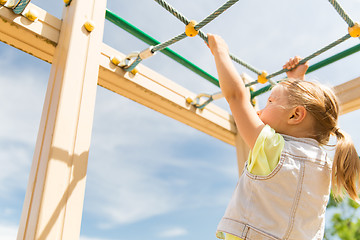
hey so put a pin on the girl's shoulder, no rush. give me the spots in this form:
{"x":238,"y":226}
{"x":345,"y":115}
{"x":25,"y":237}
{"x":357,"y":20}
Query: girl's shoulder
{"x":305,"y":149}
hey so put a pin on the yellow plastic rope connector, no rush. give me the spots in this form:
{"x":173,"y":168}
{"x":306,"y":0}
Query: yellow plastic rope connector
{"x":190,"y":29}
{"x":253,"y":102}
{"x":189,"y":100}
{"x":134,"y":71}
{"x":354,"y":31}
{"x":262,"y":77}
{"x":89,"y":25}
{"x":31,"y":14}
{"x":115,"y":60}
{"x":67,"y":2}
{"x":2,"y":2}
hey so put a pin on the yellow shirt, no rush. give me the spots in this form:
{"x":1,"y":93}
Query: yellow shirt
{"x":264,"y":157}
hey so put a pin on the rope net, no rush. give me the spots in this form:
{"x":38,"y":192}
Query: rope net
{"x":192,"y":29}
{"x":195,"y":30}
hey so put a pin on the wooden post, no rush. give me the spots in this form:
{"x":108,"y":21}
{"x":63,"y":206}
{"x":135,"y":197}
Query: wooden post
{"x":348,"y":94}
{"x":54,"y":199}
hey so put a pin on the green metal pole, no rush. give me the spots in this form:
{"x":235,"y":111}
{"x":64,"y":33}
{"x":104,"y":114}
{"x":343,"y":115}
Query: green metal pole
{"x":334,"y":58}
{"x":112,"y":17}
{"x":317,"y":66}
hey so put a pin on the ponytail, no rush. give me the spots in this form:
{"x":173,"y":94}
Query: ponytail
{"x":346,"y":167}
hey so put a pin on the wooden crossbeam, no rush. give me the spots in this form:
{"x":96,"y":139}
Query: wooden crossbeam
{"x":36,"y":38}
{"x":349,"y":95}
{"x":159,"y":93}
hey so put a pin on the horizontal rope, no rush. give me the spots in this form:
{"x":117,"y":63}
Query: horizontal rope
{"x":334,"y":58}
{"x":19,"y":8}
{"x":161,"y":46}
{"x":324,"y":49}
{"x":317,"y":66}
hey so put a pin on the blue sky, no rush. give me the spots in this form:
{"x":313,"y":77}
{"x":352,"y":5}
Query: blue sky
{"x":149,"y":176}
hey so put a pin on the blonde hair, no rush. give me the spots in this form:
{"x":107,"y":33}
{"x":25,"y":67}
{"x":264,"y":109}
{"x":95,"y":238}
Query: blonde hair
{"x":321,"y":102}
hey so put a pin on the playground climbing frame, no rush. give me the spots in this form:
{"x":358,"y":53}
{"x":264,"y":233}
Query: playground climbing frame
{"x":61,"y":152}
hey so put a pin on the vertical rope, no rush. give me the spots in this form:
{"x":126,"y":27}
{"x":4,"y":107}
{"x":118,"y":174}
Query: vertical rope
{"x":248,"y":66}
{"x":173,"y":11}
{"x":215,"y":14}
{"x":203,"y":36}
{"x":234,"y":58}
{"x":341,"y":12}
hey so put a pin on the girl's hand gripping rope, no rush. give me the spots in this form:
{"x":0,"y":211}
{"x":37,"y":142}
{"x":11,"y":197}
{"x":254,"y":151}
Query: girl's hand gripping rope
{"x":297,"y":72}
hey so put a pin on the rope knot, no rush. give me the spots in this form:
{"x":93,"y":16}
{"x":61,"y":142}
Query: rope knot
{"x":190,"y":30}
{"x":354,"y":31}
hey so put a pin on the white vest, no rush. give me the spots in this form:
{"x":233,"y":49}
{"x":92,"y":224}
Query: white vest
{"x":289,"y":203}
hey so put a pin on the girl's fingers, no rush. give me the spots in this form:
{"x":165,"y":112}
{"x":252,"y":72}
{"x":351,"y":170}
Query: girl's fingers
{"x":292,"y":62}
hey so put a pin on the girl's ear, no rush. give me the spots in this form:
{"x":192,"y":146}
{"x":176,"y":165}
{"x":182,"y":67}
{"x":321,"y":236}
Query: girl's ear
{"x":297,"y":115}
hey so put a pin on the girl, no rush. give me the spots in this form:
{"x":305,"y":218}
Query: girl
{"x":285,"y":185}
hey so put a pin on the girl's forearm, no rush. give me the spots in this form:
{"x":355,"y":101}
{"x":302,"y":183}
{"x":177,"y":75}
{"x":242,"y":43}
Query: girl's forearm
{"x":231,"y":83}
{"x":247,"y":121}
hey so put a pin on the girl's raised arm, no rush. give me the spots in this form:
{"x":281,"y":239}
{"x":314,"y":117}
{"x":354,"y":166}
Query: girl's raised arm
{"x":247,"y":121}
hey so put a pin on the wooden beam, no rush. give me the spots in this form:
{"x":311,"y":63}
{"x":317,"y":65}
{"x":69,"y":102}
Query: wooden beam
{"x":54,"y":197}
{"x":349,"y":95}
{"x":159,"y":93}
{"x":36,"y":38}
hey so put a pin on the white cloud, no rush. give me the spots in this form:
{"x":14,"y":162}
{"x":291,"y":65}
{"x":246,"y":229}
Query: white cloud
{"x":21,"y":100}
{"x":130,"y":195}
{"x":8,"y":231}
{"x":15,"y":163}
{"x":127,"y":190}
{"x":173,"y":232}
{"x":138,"y":163}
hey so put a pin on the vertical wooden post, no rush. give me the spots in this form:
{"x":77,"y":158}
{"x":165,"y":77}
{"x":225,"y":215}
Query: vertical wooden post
{"x":54,"y":199}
